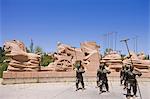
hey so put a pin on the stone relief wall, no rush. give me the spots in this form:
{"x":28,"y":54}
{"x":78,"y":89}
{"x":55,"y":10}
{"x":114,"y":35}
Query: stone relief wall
{"x":19,"y":59}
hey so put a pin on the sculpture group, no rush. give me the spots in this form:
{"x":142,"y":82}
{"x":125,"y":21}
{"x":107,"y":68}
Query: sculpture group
{"x":65,"y":57}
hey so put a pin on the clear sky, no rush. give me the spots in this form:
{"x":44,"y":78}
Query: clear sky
{"x":75,"y":21}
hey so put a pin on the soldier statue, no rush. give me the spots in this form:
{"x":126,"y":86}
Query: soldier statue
{"x":122,"y":75}
{"x":79,"y":77}
{"x":131,"y":81}
{"x":102,"y":77}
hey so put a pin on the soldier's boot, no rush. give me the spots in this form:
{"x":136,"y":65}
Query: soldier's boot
{"x":121,"y":81}
{"x":128,"y":92}
{"x":107,"y":87}
{"x":77,"y":86}
{"x":134,"y":90}
{"x":125,"y":85}
{"x":100,"y":88}
{"x":82,"y":83}
{"x":100,"y":92}
{"x":97,"y":83}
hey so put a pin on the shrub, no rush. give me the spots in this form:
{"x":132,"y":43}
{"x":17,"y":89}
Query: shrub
{"x":45,"y":60}
{"x":3,"y":67}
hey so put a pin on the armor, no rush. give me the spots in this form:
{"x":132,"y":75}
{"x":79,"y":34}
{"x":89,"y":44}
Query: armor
{"x":79,"y":77}
{"x":102,"y":77}
{"x":131,"y":81}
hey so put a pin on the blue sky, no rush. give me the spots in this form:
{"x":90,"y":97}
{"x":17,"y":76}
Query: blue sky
{"x":75,"y":21}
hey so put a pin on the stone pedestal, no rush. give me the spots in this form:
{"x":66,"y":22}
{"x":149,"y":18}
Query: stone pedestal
{"x":36,"y":77}
{"x":47,"y":76}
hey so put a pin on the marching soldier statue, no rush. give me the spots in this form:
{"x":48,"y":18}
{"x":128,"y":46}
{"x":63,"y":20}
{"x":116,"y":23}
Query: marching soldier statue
{"x":124,"y":70}
{"x":102,"y":77}
{"x":131,"y":81}
{"x":79,"y":77}
{"x":122,"y":75}
{"x":125,"y":75}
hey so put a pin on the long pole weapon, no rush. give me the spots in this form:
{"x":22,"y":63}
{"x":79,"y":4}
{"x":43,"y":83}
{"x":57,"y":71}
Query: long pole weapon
{"x":131,"y":62}
{"x":127,"y":49}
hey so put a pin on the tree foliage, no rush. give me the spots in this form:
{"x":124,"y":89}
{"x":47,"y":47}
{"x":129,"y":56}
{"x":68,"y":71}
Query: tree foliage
{"x":147,"y":57}
{"x":28,"y":51}
{"x":3,"y":64}
{"x":45,"y":60}
{"x":107,"y":50}
{"x":38,"y":50}
{"x":31,"y":46}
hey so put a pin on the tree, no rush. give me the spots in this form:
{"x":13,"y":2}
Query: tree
{"x":28,"y":51}
{"x":147,"y":57}
{"x":45,"y":60}
{"x":107,"y":50}
{"x":1,"y":52}
{"x":3,"y":64}
{"x":31,"y":46}
{"x":38,"y":50}
{"x":2,"y":55}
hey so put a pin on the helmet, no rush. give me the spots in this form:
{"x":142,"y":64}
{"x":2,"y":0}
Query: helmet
{"x":78,"y":64}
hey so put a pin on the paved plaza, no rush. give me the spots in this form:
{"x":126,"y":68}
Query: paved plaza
{"x":66,"y":90}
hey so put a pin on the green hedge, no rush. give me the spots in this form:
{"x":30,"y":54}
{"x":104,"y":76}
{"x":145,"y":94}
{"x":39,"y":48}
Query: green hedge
{"x":45,"y":60}
{"x":3,"y":67}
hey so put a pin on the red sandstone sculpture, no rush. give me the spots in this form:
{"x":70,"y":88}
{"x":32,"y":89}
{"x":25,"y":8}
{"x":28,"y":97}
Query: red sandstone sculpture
{"x":113,"y":60}
{"x":20,"y":60}
{"x":67,"y":55}
{"x":138,"y":61}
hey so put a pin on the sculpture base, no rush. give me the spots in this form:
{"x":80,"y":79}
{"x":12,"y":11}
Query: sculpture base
{"x":50,"y":76}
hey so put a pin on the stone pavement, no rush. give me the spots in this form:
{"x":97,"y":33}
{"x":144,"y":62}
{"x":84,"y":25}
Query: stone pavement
{"x":66,"y":90}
